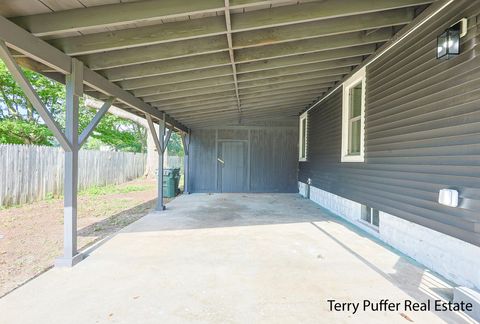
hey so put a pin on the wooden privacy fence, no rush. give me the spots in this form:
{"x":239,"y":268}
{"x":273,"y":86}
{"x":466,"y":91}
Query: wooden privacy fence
{"x":173,"y":162}
{"x":29,"y":173}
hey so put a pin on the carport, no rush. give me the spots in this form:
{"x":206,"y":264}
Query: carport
{"x":193,"y":65}
{"x":367,"y":107}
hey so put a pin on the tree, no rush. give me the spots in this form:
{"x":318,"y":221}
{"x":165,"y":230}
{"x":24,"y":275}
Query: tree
{"x":21,"y":124}
{"x":24,"y":132}
{"x":15,"y":105}
{"x":149,"y":145}
{"x":117,"y":133}
{"x":175,"y":145}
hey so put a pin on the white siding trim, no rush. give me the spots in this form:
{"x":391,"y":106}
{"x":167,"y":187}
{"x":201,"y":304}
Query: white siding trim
{"x":301,"y":143}
{"x":347,"y":85}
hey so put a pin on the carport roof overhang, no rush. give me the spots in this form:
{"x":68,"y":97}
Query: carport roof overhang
{"x":202,"y":62}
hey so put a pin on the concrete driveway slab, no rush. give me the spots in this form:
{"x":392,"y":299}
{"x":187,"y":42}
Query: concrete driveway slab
{"x":232,"y":258}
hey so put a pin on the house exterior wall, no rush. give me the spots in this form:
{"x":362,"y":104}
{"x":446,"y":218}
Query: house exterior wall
{"x":271,"y":157}
{"x":454,"y":259}
{"x":422,"y":134}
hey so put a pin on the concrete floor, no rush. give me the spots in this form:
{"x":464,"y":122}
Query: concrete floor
{"x":229,"y":258}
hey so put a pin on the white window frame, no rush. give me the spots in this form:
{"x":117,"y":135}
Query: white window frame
{"x":303,"y":143}
{"x":347,"y":85}
{"x":366,"y":209}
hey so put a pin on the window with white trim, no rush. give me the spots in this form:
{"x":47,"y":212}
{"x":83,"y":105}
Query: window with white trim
{"x":353,"y":118}
{"x":302,"y":146}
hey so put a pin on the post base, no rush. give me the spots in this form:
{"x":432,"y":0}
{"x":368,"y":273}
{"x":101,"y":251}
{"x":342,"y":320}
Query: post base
{"x":67,"y":262}
{"x":160,"y":208}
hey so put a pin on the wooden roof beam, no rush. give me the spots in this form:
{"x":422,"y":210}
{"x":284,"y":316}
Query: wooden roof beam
{"x":218,"y":44}
{"x":178,"y":112}
{"x":35,"y":48}
{"x":242,"y":56}
{"x":212,"y":75}
{"x":178,"y":70}
{"x":131,"y":12}
{"x":229,"y":95}
{"x":321,"y":81}
{"x":314,"y":11}
{"x":113,"y":15}
{"x":215,"y":26}
{"x":167,"y":67}
{"x":228,"y":24}
{"x":180,"y":77}
{"x":274,"y":79}
{"x":212,"y":111}
{"x":215,"y":116}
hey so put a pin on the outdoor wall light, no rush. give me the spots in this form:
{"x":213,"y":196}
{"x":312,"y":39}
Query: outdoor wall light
{"x":448,"y":197}
{"x":448,"y":43}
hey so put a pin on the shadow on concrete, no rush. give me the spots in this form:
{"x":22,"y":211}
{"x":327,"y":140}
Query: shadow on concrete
{"x":202,"y":211}
{"x":197,"y":211}
{"x":107,"y":228}
{"x":118,"y":221}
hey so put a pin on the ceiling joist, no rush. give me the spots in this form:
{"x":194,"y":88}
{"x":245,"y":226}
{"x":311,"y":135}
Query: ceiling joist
{"x":310,"y":91}
{"x":200,"y":47}
{"x":204,"y":28}
{"x":198,"y":78}
{"x":22,"y":41}
{"x":132,"y":12}
{"x":228,"y":100}
{"x":228,"y":24}
{"x":320,"y":82}
{"x":333,"y":74}
{"x":208,"y":60}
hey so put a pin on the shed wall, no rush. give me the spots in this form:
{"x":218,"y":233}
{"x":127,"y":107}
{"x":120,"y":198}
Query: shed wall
{"x":272,"y":158}
{"x":422,"y":132}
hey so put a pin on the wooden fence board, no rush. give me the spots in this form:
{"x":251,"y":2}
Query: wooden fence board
{"x":30,"y":173}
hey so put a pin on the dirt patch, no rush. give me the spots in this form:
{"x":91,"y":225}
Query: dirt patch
{"x":31,"y":236}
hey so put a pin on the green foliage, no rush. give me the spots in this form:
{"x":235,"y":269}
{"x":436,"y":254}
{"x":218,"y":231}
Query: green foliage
{"x":18,"y":131}
{"x":112,"y":189}
{"x":175,"y":146}
{"x":21,"y":124}
{"x":118,"y":133}
{"x":13,"y":102}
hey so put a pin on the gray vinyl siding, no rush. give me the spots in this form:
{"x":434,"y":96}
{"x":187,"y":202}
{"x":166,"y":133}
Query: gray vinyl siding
{"x":422,"y":132}
{"x":272,"y":156}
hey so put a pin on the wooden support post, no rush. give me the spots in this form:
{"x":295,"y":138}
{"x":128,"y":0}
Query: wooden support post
{"x":74,"y":83}
{"x":68,"y":140}
{"x":161,"y":138}
{"x":186,"y":157}
{"x":161,"y":143}
{"x":154,"y":133}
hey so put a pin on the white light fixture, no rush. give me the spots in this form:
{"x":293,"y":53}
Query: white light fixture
{"x":448,"y":197}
